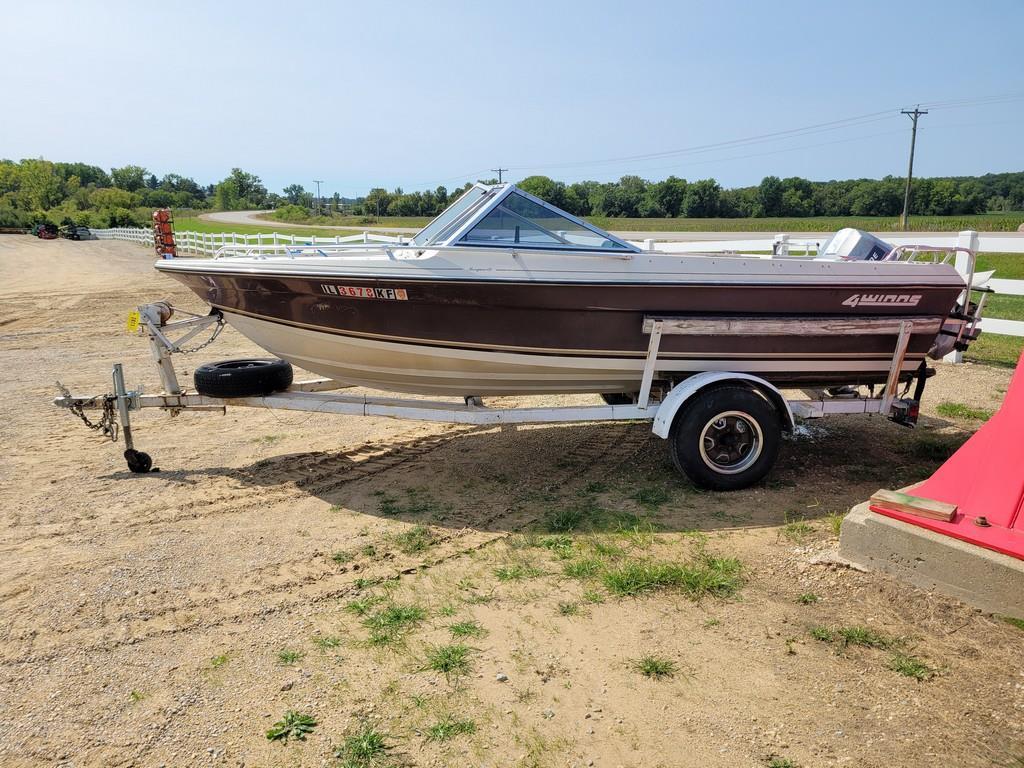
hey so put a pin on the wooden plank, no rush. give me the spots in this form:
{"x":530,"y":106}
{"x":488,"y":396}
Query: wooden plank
{"x":914,"y":505}
{"x":791,"y":326}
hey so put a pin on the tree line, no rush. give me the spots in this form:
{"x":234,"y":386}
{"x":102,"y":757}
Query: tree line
{"x":34,"y":191}
{"x":635,"y":197}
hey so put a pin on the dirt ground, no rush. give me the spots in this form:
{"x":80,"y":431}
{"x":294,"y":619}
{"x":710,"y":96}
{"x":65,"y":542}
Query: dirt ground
{"x":173,"y":618}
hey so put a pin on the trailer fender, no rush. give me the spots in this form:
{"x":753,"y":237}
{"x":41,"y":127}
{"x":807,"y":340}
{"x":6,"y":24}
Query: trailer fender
{"x":686,"y":389}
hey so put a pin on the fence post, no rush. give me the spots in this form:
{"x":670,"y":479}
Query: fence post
{"x":966,"y":239}
{"x":780,"y":246}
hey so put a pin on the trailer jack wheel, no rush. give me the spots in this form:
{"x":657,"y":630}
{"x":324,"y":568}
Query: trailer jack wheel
{"x":138,"y":462}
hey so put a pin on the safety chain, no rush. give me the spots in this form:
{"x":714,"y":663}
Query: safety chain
{"x":213,"y":337}
{"x":107,"y":422}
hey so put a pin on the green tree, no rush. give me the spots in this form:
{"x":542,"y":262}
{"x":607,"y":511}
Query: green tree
{"x":769,"y":194}
{"x":293,"y":192}
{"x":130,"y":177}
{"x":702,"y":198}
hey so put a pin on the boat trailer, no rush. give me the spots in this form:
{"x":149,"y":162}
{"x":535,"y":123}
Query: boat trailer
{"x":654,"y":404}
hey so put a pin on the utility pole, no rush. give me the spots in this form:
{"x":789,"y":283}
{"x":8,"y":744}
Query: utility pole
{"x":318,"y":182}
{"x":499,"y":171}
{"x":913,"y":114}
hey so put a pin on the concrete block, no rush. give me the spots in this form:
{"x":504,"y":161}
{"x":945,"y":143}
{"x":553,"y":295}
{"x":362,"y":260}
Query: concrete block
{"x":988,"y":580}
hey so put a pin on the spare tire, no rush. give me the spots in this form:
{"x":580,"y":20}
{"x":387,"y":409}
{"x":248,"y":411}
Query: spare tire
{"x":243,"y":378}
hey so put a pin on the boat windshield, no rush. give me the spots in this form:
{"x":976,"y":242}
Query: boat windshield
{"x":517,"y":220}
{"x":457,"y":211}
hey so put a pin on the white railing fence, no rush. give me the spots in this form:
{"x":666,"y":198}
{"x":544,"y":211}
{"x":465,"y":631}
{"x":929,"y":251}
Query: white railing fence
{"x":208,"y":243}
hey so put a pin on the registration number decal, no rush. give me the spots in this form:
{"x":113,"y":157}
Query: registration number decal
{"x":365,"y":292}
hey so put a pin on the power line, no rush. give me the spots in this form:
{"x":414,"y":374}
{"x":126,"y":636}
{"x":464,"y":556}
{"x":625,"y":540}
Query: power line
{"x":499,"y":171}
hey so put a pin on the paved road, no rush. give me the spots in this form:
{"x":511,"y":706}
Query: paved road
{"x":251,"y":217}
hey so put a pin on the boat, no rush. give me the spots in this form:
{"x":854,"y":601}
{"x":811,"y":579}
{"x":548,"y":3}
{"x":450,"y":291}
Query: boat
{"x":505,"y":294}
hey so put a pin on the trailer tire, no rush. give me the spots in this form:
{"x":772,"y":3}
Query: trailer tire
{"x":243,"y":378}
{"x":726,"y":438}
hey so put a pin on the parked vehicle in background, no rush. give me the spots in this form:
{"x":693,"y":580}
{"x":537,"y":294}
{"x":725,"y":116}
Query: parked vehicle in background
{"x":45,"y":231}
{"x":72,"y":232}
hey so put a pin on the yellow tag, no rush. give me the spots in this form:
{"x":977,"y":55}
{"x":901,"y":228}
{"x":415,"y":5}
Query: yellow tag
{"x":133,"y":321}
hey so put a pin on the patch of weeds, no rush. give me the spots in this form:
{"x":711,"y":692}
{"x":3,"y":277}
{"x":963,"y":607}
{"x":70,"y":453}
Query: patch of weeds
{"x":569,"y":609}
{"x":640,"y":536}
{"x":605,"y":548}
{"x":595,"y":486}
{"x":447,"y":610}
{"x":863,"y":636}
{"x":216,"y":662}
{"x":365,"y":748}
{"x":268,"y":439}
{"x":808,"y":598}
{"x":1018,"y":623}
{"x":796,"y":530}
{"x":824,"y":634}
{"x":930,"y":448}
{"x":336,"y":508}
{"x":961,"y":411}
{"x":781,"y":762}
{"x":450,"y":660}
{"x":910,"y":666}
{"x":707,"y":575}
{"x":341,"y":557}
{"x":368,"y":550}
{"x":584,"y":568}
{"x":363,"y":605}
{"x":834,"y":522}
{"x":651,"y":496}
{"x":326,"y":642}
{"x":469,"y":628}
{"x":449,"y":727}
{"x":416,"y":502}
{"x":136,"y":696}
{"x":564,"y":519}
{"x":288,"y":656}
{"x":593,"y":597}
{"x":414,"y":540}
{"x":711,"y":623}
{"x":363,"y":583}
{"x":654,"y":667}
{"x":478,"y":598}
{"x":560,"y":546}
{"x":293,"y":725}
{"x":516,"y":572}
{"x":391,"y":624}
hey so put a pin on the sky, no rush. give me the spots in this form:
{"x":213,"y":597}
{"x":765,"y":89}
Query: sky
{"x":417,"y":94}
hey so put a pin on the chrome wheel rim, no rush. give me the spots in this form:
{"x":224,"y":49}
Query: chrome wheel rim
{"x":731,"y":442}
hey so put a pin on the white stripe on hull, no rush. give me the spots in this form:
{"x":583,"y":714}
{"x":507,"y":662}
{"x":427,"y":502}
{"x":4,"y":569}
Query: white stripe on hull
{"x":453,"y":371}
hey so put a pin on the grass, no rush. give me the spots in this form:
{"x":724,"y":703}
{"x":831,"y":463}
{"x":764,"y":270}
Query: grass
{"x":1018,"y":623}
{"x":365,"y":748}
{"x":808,"y":598}
{"x":417,"y":539}
{"x":655,"y":667}
{"x":391,"y":624}
{"x":823,"y":634}
{"x":584,"y":568}
{"x":219,"y":661}
{"x":995,"y":349}
{"x":449,"y":727}
{"x":797,"y":530}
{"x":341,"y":557}
{"x":910,"y":666}
{"x":652,"y":496}
{"x":516,"y":572}
{"x":136,"y":696}
{"x":453,"y":661}
{"x":326,"y":642}
{"x":463,"y":629}
{"x":416,"y":502}
{"x":834,"y":521}
{"x":569,"y":609}
{"x":864,"y":637}
{"x":961,"y":411}
{"x":293,"y":725}
{"x":707,"y":575}
{"x":288,"y":656}
{"x":363,"y":605}
{"x":781,"y":762}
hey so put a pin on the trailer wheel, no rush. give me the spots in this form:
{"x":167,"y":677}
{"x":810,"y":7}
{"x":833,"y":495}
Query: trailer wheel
{"x":726,"y":438}
{"x":243,"y":378}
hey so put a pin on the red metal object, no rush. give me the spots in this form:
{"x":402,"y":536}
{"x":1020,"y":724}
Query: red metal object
{"x":985,"y":479}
